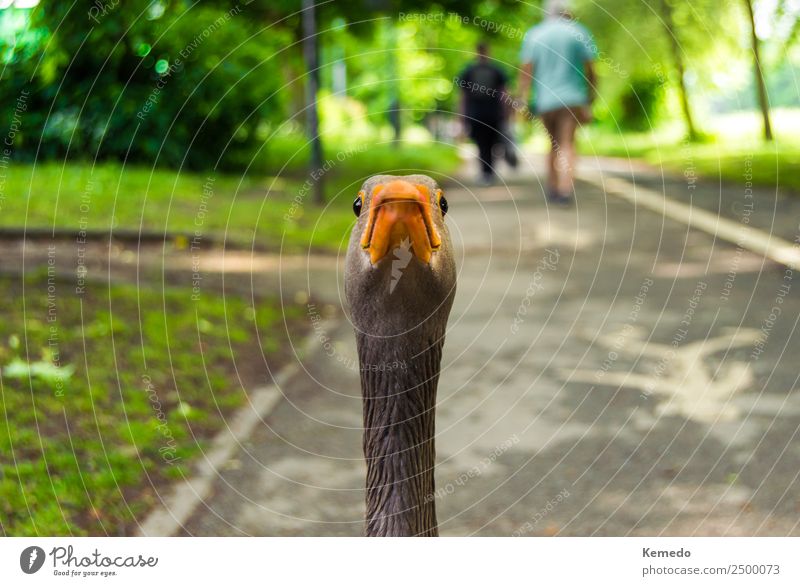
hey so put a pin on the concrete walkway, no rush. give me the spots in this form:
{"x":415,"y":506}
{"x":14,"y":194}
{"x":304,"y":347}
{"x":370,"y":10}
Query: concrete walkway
{"x":607,"y":372}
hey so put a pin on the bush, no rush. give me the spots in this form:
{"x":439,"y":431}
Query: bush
{"x":640,"y":103}
{"x":151,"y":82}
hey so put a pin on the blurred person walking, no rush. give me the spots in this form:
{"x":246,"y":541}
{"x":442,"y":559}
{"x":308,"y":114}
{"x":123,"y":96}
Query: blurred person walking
{"x":557,"y":64}
{"x":483,"y":86}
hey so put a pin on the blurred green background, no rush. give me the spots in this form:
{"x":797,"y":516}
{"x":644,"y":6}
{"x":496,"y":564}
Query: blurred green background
{"x":225,"y":82}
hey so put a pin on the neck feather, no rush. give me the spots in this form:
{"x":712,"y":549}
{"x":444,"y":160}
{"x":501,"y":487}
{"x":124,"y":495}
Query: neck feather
{"x":398,"y":380}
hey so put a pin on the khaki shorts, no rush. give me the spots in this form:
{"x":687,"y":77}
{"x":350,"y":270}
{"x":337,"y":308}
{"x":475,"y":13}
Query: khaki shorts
{"x":562,"y":123}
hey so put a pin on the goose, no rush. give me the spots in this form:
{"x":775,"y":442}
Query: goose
{"x":400,"y":281}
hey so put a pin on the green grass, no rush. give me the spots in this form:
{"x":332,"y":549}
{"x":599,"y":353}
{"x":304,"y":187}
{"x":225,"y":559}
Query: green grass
{"x":137,"y":383}
{"x":246,"y":210}
{"x":734,"y":147}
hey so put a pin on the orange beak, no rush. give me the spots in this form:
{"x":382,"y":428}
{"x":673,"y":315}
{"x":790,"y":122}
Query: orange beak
{"x":399,"y":216}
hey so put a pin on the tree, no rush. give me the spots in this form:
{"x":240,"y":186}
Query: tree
{"x":763,"y":99}
{"x":312,"y":85}
{"x":635,"y":54}
{"x":668,"y":21}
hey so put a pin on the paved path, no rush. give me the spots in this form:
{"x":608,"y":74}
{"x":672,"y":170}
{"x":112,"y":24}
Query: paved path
{"x":606,"y":372}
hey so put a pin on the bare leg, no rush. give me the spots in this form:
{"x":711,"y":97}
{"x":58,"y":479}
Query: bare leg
{"x":550,"y":121}
{"x":552,"y":170}
{"x":567,"y":125}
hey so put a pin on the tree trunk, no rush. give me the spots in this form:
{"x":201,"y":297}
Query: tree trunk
{"x":677,"y":56}
{"x":763,"y":100}
{"x":394,"y":104}
{"x":312,"y":85}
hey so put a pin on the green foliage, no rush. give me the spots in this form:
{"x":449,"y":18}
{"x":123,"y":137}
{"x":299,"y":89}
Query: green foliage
{"x":220,"y":84}
{"x":415,"y":55}
{"x":636,"y":55}
{"x":640,"y":102}
{"x":169,"y":83}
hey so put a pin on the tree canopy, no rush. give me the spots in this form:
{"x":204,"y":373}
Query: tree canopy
{"x":183,"y":83}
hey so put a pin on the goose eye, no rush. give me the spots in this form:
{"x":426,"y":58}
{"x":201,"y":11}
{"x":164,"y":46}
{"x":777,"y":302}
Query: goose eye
{"x":443,"y":205}
{"x":357,"y":205}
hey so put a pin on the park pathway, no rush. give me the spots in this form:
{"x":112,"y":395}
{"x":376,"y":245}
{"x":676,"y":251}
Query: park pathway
{"x":607,"y":371}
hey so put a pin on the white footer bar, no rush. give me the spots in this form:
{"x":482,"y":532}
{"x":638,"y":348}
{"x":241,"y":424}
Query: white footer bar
{"x":386,"y":562}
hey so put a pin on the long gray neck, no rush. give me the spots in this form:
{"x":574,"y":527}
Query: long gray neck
{"x":398,"y":381}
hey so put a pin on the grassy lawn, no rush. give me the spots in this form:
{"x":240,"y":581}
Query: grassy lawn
{"x":734,"y":148}
{"x":123,"y":400}
{"x":243,"y":209}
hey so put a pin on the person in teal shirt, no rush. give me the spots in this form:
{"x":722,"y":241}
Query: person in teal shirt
{"x":557,"y":63}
